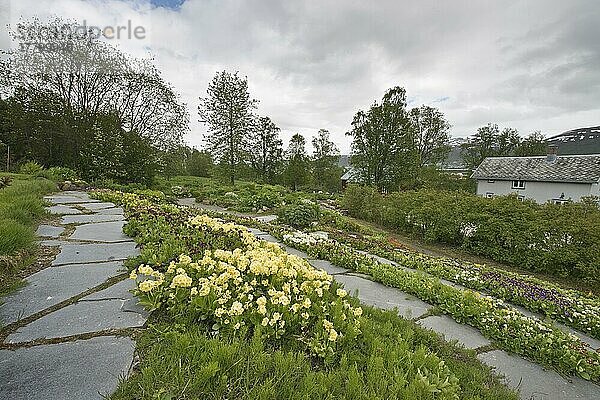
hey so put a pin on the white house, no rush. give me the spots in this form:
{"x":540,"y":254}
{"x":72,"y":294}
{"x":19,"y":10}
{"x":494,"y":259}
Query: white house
{"x":543,"y":178}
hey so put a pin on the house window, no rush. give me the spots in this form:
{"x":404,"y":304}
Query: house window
{"x":518,"y":184}
{"x":489,"y":195}
{"x":521,"y":198}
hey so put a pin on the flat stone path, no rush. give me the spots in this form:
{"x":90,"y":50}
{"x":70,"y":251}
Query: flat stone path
{"x":65,"y":334}
{"x":531,"y":380}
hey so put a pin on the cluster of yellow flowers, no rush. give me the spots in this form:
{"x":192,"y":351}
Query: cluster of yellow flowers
{"x":261,"y":285}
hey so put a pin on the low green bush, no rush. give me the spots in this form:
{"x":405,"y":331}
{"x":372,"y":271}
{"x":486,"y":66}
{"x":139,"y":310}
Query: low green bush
{"x":560,"y":240}
{"x":301,"y":215}
{"x":61,"y":174}
{"x":30,"y":168}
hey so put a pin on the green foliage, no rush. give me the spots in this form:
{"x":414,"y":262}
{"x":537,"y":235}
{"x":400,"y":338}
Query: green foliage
{"x":560,"y":240}
{"x":30,"y":168}
{"x":184,"y":363}
{"x":432,"y":178}
{"x":489,"y":141}
{"x":508,"y":327}
{"x":61,"y":174}
{"x":14,"y":236}
{"x":199,"y":164}
{"x":392,"y":358}
{"x":300,"y":215}
{"x":325,"y":169}
{"x":21,"y":206}
{"x":297,"y":166}
{"x":227,"y":110}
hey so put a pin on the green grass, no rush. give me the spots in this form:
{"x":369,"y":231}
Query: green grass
{"x":21,"y":207}
{"x":181,"y":362}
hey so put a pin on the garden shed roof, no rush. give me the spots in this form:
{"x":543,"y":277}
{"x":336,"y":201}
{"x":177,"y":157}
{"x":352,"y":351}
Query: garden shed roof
{"x":575,"y":168}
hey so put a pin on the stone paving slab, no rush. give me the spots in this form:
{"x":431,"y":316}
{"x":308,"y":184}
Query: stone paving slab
{"x":269,"y":238}
{"x":101,"y":232}
{"x":63,"y":210}
{"x":79,"y":318}
{"x":49,"y":231}
{"x":265,"y":218}
{"x":466,"y":335}
{"x":111,"y":211}
{"x":536,"y":383}
{"x":378,"y":295}
{"x":294,"y":252}
{"x":70,"y":199}
{"x":89,"y":218}
{"x":97,"y":206}
{"x":82,"y":370}
{"x":51,"y":286}
{"x":95,"y":252}
{"x":328,"y":267}
{"x":256,"y":232}
{"x":120,"y":290}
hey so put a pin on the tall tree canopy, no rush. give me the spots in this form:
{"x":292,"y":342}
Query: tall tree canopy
{"x":325,"y":158}
{"x":228,"y":111}
{"x":490,"y":141}
{"x":430,"y":132}
{"x":63,"y":87}
{"x":382,"y":142}
{"x":297,"y":162}
{"x":266,"y":149}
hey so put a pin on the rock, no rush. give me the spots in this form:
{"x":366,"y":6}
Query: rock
{"x":95,"y":252}
{"x":51,"y":286}
{"x":49,"y":231}
{"x":101,"y":232}
{"x":85,"y":369}
{"x":378,"y":295}
{"x":466,"y":335}
{"x":79,"y":318}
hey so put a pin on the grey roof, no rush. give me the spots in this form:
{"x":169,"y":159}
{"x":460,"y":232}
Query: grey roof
{"x":350,"y":175}
{"x":579,"y":168}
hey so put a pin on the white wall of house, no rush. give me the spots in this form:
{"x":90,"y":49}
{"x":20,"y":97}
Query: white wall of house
{"x":541,"y":192}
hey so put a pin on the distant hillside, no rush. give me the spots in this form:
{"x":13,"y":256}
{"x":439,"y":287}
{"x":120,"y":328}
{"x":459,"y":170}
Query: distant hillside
{"x":578,"y":141}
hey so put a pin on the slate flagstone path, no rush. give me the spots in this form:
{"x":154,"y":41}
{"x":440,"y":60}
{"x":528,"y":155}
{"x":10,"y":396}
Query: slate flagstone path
{"x":65,"y":334}
{"x":533,"y":381}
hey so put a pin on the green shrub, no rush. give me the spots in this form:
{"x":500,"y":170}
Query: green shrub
{"x":61,"y":174}
{"x":561,"y":240}
{"x":300,"y":215}
{"x":14,"y":236}
{"x":30,"y":168}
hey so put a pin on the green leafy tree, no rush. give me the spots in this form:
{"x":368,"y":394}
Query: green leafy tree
{"x":297,"y":162}
{"x":382,"y":151}
{"x":266,"y":149}
{"x":533,"y":145}
{"x":489,"y":141}
{"x":200,"y":164}
{"x":227,"y":110}
{"x":430,"y":132}
{"x":326,"y":172}
{"x":63,"y":88}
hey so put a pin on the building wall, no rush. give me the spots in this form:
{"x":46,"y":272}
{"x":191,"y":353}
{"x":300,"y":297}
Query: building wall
{"x":541,"y":192}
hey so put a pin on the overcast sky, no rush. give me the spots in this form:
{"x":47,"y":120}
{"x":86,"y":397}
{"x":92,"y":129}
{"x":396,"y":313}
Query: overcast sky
{"x":531,"y":65}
